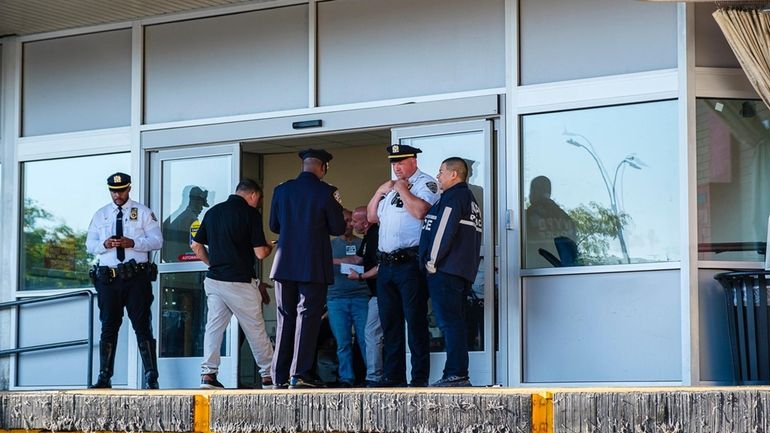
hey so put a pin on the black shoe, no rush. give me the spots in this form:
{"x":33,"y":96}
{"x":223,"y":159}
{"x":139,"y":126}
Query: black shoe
{"x":344,"y":384}
{"x":209,"y":381}
{"x":149,"y":364}
{"x":385,"y":383}
{"x":297,"y":382}
{"x":452,"y":381}
{"x":102,"y":382}
{"x":281,"y":386}
{"x":418,"y":384}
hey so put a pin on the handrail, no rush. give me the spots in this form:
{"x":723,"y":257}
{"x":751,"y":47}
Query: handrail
{"x":721,"y":247}
{"x":69,"y":343}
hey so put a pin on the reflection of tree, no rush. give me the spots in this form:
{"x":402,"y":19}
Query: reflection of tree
{"x":54,"y":254}
{"x":596,"y":225}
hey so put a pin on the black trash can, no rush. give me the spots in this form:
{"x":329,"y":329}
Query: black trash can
{"x":747,"y":316}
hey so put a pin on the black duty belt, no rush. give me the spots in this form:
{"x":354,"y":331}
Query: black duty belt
{"x":124,"y":271}
{"x":402,"y":255}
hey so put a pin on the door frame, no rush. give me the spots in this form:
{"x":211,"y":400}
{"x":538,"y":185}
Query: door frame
{"x":155,"y":159}
{"x":486,"y":359}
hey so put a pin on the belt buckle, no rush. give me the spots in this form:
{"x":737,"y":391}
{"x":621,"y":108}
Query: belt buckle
{"x":113,"y":272}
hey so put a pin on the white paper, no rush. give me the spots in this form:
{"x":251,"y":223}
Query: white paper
{"x":345,"y":268}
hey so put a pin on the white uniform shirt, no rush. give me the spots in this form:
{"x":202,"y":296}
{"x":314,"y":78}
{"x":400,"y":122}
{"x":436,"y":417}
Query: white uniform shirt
{"x":398,"y":228}
{"x":139,"y":224}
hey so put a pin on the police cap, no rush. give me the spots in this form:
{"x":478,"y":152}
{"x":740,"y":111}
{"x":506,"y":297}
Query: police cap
{"x":321,"y":154}
{"x":397,"y":152}
{"x":118,"y":181}
{"x":199,"y":195}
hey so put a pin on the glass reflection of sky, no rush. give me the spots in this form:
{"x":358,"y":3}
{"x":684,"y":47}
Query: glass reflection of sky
{"x":73,"y":189}
{"x":650,"y":195}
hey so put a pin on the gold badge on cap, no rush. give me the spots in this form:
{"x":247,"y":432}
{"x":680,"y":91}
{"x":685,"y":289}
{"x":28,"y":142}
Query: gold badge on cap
{"x":117,"y":179}
{"x":395,"y":148}
{"x":134,"y":213}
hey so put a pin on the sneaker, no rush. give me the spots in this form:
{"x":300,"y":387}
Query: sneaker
{"x":209,"y":381}
{"x":281,"y":386}
{"x":297,"y":382}
{"x":452,"y":381}
{"x":267,"y":382}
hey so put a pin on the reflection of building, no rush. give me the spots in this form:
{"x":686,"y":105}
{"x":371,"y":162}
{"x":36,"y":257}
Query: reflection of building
{"x":239,"y":88}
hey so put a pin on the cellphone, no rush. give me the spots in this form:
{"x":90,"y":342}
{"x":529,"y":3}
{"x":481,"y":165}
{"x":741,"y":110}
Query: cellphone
{"x":114,"y":237}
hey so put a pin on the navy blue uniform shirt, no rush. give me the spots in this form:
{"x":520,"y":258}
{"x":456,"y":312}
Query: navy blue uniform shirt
{"x":304,"y":214}
{"x":451,"y":234}
{"x":231,"y":229}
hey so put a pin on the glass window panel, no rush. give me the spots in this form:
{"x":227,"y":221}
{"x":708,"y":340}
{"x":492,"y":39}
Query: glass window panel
{"x":600,"y":186}
{"x":733,"y":169}
{"x":54,"y":226}
{"x":469,"y":146}
{"x":190,"y":187}
{"x":183,"y":315}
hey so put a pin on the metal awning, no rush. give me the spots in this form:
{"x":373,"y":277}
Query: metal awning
{"x":24,"y":17}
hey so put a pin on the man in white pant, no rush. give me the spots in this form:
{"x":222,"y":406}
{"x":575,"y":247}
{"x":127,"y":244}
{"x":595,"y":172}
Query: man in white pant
{"x":234,"y":235}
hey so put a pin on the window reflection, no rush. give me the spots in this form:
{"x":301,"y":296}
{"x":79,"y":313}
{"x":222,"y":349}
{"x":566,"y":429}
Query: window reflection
{"x":54,"y":226}
{"x":183,"y":315}
{"x":190,"y":187}
{"x":733,"y":169}
{"x":601,"y":186}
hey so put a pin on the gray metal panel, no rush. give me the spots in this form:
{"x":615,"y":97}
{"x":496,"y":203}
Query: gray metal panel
{"x":622,"y":327}
{"x":714,"y":337}
{"x":564,"y":40}
{"x":235,"y":64}
{"x":444,"y":110}
{"x":372,"y":50}
{"x":77,"y":83}
{"x":711,"y":47}
{"x":56,"y":322}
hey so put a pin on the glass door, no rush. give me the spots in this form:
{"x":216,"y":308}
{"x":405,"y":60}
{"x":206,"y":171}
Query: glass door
{"x":185,"y":183}
{"x":471,"y":141}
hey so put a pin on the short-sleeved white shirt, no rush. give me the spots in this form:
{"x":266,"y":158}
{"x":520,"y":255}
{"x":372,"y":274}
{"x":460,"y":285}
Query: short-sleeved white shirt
{"x":139,"y":224}
{"x":398,"y":228}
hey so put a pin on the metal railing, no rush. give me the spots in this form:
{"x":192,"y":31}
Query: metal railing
{"x":69,"y":343}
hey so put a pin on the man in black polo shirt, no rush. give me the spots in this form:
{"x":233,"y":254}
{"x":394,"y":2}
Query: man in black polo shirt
{"x":234,"y":235}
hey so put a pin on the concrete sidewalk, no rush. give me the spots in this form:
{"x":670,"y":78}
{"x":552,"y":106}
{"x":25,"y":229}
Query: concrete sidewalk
{"x":722,"y":410}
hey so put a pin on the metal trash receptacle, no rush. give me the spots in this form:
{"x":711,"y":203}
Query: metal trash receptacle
{"x":747,"y":317}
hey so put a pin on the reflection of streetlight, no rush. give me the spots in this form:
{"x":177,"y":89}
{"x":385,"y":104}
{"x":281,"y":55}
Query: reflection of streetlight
{"x":631,"y":160}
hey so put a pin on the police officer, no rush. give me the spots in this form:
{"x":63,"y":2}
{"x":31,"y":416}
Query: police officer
{"x":122,"y":235}
{"x":305,"y":211}
{"x":399,"y":207}
{"x":449,"y":251}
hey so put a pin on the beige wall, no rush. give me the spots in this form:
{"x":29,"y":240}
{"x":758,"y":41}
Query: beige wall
{"x":356,"y":172}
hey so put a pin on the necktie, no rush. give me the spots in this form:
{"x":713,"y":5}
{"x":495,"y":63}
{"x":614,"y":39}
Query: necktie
{"x":119,"y":233}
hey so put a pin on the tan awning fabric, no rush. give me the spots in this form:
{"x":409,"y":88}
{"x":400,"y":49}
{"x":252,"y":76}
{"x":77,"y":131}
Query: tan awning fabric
{"x":748,"y":33}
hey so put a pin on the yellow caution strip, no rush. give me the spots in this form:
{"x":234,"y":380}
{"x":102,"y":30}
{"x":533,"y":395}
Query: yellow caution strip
{"x":542,"y":412}
{"x":201,"y":414}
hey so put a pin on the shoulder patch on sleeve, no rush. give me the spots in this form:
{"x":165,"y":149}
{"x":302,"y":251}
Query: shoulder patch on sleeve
{"x":432,"y":186}
{"x":337,"y":196}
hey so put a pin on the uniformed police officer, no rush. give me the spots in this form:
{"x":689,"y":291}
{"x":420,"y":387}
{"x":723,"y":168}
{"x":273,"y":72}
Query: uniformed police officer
{"x":449,"y":251}
{"x":305,"y":211}
{"x":122,"y":235}
{"x":399,"y":207}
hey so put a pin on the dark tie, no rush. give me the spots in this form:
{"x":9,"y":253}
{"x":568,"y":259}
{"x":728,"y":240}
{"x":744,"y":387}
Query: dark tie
{"x":119,"y":233}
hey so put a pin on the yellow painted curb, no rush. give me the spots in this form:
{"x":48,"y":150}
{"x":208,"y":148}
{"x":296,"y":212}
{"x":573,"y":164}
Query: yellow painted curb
{"x":542,"y":412}
{"x":201,"y":414}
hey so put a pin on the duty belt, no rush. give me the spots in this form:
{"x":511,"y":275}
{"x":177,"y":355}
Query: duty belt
{"x":402,"y":255}
{"x":124,"y":271}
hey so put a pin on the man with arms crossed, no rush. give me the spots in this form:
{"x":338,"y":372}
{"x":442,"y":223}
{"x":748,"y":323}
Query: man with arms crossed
{"x":234,"y":235}
{"x":399,"y":207}
{"x":449,"y":251}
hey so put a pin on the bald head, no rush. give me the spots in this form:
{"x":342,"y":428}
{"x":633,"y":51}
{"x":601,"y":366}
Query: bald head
{"x":360,"y":222}
{"x":315,"y":166}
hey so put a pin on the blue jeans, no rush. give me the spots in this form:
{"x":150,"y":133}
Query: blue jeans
{"x":447,"y":293}
{"x":345,"y":314}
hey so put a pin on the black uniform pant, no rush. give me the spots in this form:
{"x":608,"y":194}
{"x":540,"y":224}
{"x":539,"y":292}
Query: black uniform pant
{"x":402,"y":294}
{"x":135,"y":295}
{"x":300,"y":307}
